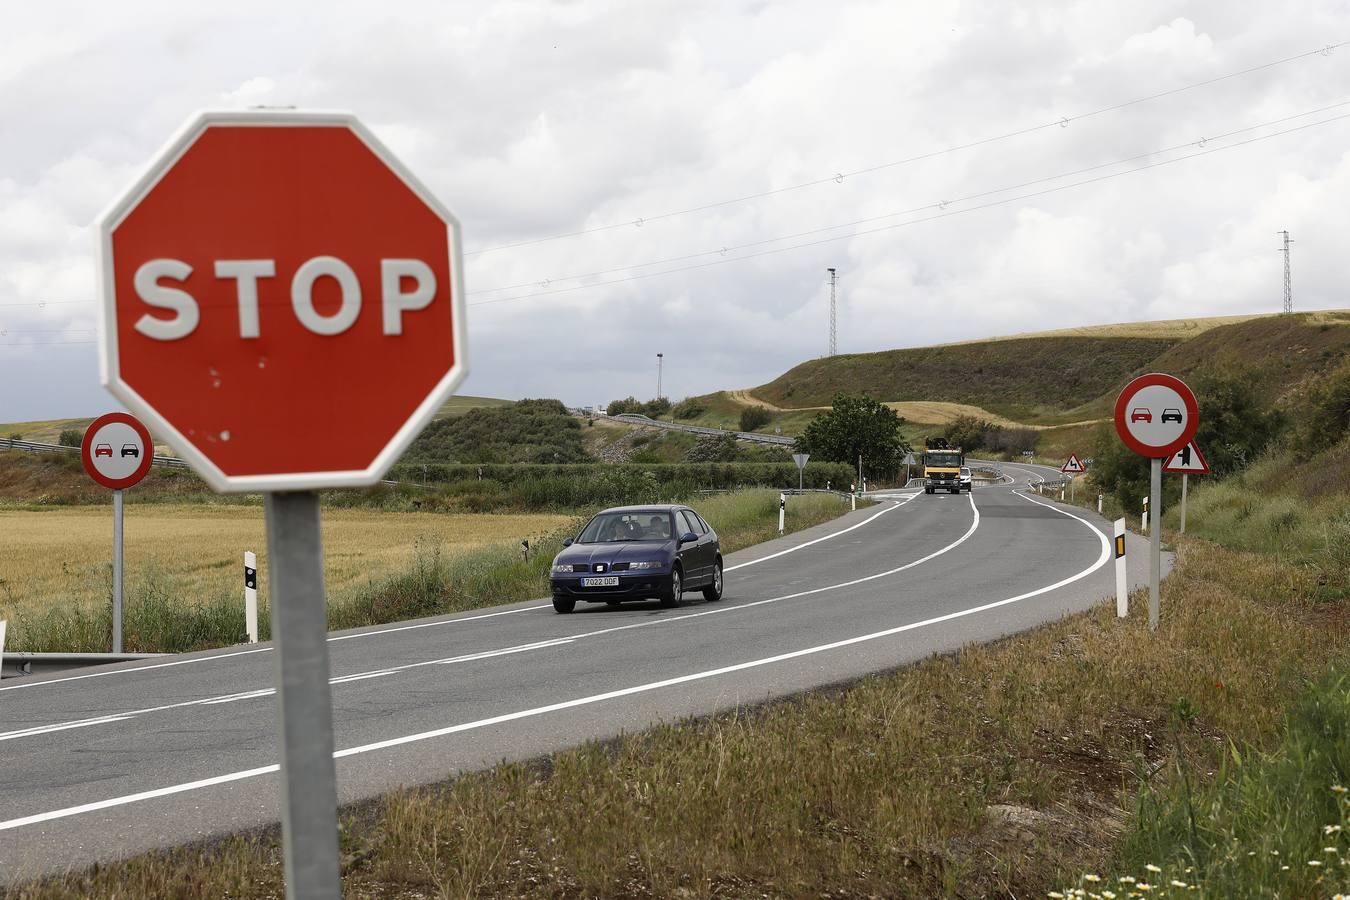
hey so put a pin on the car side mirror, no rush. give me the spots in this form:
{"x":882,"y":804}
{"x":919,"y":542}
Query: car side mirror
{"x":568,"y":542}
{"x":688,"y":537}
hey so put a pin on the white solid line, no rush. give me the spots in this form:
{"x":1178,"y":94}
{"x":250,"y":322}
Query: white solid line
{"x":594,"y":698}
{"x":230,"y":698}
{"x":397,"y":628}
{"x":755,"y":562}
{"x":60,"y":726}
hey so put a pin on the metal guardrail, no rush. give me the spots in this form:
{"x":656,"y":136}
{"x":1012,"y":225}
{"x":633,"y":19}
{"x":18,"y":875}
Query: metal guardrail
{"x":171,"y":462}
{"x":750,"y":436}
{"x":16,"y":665}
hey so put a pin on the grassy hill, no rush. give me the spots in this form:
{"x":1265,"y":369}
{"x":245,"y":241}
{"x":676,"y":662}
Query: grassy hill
{"x":528,"y":431}
{"x":1053,"y":379}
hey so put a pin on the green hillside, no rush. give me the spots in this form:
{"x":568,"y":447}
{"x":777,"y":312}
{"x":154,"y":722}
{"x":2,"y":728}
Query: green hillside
{"x":528,"y":431}
{"x":1060,"y":379}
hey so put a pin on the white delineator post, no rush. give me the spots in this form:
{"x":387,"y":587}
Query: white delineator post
{"x":2,"y":644}
{"x":782,"y":511}
{"x":1143,"y":518}
{"x":251,"y":595}
{"x":1122,"y":588}
{"x":1099,"y":503}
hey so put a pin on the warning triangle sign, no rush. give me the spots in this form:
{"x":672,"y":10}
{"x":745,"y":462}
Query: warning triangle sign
{"x":1187,"y":461}
{"x":1074,"y":466}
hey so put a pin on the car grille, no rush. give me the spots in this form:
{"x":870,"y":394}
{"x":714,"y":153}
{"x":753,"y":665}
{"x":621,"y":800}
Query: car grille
{"x":581,"y":567}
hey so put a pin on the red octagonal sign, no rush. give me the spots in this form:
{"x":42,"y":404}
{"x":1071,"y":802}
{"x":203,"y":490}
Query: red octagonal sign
{"x":282,"y":300}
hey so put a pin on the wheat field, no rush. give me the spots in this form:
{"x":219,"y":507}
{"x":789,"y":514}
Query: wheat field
{"x":62,"y":556}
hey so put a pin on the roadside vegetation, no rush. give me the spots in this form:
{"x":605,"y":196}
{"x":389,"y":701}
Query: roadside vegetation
{"x":380,"y":568}
{"x":1088,"y":749}
{"x":528,"y":431}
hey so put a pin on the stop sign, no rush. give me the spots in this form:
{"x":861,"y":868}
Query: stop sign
{"x":282,"y":300}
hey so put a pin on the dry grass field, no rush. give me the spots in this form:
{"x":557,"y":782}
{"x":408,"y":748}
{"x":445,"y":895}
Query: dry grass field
{"x":1163,"y":328}
{"x":62,"y":556}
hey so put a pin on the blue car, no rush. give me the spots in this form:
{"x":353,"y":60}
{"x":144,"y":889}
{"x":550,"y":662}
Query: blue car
{"x":636,"y":553}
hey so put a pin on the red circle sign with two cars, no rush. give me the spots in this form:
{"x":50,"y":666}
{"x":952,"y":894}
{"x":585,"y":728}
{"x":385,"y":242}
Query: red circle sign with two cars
{"x":1156,"y":415}
{"x":117,"y":450}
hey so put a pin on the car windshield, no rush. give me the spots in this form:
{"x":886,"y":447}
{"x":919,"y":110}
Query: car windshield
{"x":965,"y":472}
{"x":653,"y":525}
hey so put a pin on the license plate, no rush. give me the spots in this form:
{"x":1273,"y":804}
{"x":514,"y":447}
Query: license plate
{"x":607,"y":581}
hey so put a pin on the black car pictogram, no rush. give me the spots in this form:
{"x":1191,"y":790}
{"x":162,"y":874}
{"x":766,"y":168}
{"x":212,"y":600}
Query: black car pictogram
{"x":131,"y":450}
{"x":1171,"y":415}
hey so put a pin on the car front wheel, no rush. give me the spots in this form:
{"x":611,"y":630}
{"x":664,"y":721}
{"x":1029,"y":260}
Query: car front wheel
{"x":563,"y":604}
{"x":672,"y":595}
{"x":713,"y":592}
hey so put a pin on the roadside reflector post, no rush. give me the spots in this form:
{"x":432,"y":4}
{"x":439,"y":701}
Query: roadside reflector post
{"x":117,"y":573}
{"x":251,"y":595}
{"x":1143,"y":518}
{"x":2,"y":645}
{"x":1099,"y":503}
{"x":782,"y":511}
{"x":1184,"y":478}
{"x":304,"y":699}
{"x":1122,"y":588}
{"x":853,"y":502}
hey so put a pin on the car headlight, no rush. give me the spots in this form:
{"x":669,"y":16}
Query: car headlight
{"x":633,"y":567}
{"x":563,"y":569}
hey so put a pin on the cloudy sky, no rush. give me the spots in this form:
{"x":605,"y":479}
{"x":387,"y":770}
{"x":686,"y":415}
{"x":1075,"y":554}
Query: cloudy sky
{"x":716,"y":158}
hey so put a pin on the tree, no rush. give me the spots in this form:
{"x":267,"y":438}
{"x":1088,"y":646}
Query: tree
{"x":1325,"y":412}
{"x":967,"y":432}
{"x":1235,"y":426}
{"x":626,"y":405}
{"x":754,"y":417}
{"x":854,"y":426}
{"x":71,"y":437}
{"x":656,"y":408}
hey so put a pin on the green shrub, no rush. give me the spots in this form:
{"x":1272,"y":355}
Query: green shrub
{"x":753,"y":418}
{"x":71,"y":437}
{"x":535,"y":431}
{"x":688,"y":408}
{"x":626,"y":405}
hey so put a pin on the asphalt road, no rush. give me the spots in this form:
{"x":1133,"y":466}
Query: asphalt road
{"x":102,"y":763}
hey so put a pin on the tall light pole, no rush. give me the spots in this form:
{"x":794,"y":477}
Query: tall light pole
{"x":659,"y":357}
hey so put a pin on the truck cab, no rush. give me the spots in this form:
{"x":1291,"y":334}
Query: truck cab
{"x":942,"y":469}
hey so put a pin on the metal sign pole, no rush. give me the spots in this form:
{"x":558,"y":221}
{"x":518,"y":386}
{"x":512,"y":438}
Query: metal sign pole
{"x":1184,"y":478}
{"x":1154,"y":541}
{"x":117,"y":573}
{"x":304,"y":699}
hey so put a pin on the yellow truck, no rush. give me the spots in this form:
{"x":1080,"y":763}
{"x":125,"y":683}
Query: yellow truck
{"x":942,"y":469}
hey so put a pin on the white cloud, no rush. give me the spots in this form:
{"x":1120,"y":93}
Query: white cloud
{"x":535,"y":118}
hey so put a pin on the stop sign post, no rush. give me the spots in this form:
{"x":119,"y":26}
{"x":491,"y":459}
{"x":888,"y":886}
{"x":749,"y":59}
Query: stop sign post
{"x":1156,"y":415}
{"x":283,"y":302}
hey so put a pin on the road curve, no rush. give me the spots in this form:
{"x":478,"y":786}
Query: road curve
{"x":110,"y":762}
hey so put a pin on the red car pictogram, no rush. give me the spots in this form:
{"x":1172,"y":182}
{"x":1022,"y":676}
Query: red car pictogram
{"x":103,"y":450}
{"x":1139,"y":414}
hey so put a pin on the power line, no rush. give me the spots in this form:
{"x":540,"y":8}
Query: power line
{"x":940,"y":215}
{"x":839,"y":177}
{"x":942,"y":204}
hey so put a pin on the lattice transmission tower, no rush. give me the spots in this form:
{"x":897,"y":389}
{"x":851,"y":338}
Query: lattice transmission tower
{"x":1288,"y":286}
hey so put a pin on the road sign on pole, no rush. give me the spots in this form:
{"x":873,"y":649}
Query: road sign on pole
{"x":283,"y":301}
{"x":1188,"y":460}
{"x":117,"y":453}
{"x":1074,"y":466}
{"x":1156,"y":416}
{"x":800,"y":459}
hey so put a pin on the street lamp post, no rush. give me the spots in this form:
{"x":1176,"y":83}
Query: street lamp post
{"x":659,"y":357}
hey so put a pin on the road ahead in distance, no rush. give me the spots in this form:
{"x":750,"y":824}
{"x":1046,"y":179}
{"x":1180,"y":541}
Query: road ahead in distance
{"x":108,"y":762}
